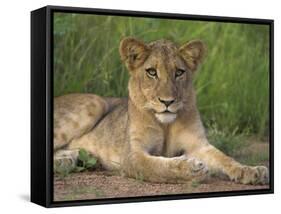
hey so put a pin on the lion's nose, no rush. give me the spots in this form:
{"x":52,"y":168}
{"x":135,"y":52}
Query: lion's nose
{"x":166,"y":102}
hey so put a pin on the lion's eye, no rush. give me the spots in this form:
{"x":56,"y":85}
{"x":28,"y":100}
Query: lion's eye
{"x":151,"y":72}
{"x":179,"y":72}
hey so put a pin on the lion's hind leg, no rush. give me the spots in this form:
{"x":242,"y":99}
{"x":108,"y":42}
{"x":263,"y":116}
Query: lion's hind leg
{"x":75,"y":115}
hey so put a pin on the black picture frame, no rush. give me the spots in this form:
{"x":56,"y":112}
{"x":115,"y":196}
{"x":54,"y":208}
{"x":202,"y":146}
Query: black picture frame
{"x":42,"y":104}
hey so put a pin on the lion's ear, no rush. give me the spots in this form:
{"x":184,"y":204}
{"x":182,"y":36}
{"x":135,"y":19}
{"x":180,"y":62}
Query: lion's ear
{"x":133,"y":52}
{"x":193,"y":53}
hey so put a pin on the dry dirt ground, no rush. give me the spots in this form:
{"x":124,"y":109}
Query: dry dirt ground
{"x":102,"y":184}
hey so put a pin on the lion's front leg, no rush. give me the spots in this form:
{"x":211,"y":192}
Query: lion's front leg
{"x":237,"y":172}
{"x":141,"y":165}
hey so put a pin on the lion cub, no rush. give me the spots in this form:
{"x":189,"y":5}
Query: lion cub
{"x":155,"y":133}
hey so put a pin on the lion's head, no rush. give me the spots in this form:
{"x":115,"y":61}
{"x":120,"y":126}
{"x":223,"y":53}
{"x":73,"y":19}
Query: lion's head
{"x":161,"y":74}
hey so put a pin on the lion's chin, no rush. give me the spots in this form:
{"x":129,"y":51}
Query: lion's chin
{"x":166,"y":117}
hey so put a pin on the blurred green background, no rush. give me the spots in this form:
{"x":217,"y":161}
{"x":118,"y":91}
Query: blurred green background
{"x":232,"y":84}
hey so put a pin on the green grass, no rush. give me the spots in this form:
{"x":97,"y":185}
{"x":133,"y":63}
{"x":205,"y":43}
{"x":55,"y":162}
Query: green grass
{"x":195,"y":184}
{"x":139,"y":177}
{"x":229,"y":142}
{"x":232,"y":84}
{"x":86,"y":162}
{"x":257,"y":159}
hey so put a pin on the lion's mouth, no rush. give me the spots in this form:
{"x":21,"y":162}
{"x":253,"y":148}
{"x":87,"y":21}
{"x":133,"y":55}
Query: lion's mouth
{"x":167,"y":111}
{"x":166,"y":116}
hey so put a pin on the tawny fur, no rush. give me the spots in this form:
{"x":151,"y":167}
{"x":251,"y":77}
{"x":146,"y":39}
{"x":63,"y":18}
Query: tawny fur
{"x":142,"y":136}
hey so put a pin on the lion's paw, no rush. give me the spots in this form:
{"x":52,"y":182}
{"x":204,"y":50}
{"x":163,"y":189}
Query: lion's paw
{"x":250,"y":175}
{"x":65,"y":160}
{"x":198,"y":166}
{"x":191,"y":168}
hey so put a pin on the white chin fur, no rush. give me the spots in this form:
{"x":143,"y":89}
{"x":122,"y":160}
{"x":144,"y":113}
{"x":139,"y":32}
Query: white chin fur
{"x":166,"y":117}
